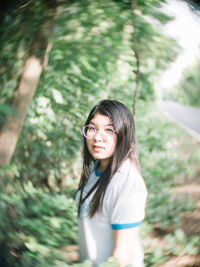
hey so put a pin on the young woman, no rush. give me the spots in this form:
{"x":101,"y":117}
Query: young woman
{"x":112,"y":194}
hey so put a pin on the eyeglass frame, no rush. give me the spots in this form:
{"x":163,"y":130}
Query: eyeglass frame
{"x":95,"y":132}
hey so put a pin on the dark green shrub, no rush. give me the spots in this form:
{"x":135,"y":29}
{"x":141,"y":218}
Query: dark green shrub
{"x":34,"y":225}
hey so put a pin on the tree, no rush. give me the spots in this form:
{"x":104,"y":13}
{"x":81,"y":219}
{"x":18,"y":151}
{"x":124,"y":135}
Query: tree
{"x":187,"y":91}
{"x":26,"y":89}
{"x":91,"y":58}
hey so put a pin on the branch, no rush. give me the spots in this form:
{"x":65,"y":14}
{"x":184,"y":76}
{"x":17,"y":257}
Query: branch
{"x":137,"y":56}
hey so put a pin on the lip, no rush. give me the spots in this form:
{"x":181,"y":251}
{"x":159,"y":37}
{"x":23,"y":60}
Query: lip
{"x":98,"y":148}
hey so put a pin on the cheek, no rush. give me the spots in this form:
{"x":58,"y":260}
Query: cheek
{"x":113,"y":145}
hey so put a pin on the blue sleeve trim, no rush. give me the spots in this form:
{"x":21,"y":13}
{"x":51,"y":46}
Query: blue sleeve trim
{"x":125,"y":225}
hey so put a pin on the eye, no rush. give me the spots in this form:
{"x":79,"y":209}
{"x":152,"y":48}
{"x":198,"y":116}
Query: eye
{"x":91,"y":128}
{"x":109,"y":130}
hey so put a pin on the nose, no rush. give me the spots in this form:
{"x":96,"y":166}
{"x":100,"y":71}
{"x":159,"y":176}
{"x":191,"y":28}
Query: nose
{"x":98,"y":136}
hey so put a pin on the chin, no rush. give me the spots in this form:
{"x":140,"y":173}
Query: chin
{"x":98,"y":157}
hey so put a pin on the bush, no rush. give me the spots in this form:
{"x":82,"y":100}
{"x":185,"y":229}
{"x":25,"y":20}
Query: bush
{"x":34,"y":225}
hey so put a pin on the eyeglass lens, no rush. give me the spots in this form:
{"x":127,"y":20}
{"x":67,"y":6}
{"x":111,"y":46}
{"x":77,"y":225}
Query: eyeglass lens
{"x":90,"y":131}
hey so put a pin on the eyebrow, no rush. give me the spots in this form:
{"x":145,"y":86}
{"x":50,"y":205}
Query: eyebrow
{"x":109,"y":124}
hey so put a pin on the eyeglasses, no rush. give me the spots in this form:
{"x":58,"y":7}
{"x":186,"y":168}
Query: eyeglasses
{"x":89,"y":131}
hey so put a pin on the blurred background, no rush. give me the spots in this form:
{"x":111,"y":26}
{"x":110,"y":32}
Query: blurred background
{"x":58,"y":59}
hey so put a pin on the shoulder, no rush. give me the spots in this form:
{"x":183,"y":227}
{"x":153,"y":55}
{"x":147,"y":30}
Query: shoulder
{"x":127,"y":173}
{"x":126,"y":194}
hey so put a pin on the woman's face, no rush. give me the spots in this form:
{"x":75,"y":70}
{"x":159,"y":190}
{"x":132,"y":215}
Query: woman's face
{"x":102,"y":138}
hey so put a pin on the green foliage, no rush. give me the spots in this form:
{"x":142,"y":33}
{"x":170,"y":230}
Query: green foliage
{"x":187,"y":91}
{"x":83,"y":264}
{"x":155,"y":49}
{"x":176,"y":244}
{"x":91,"y":59}
{"x":35,"y":224}
{"x":79,"y":71}
{"x":156,"y":257}
{"x":179,"y":244}
{"x":17,"y":31}
{"x":160,"y":163}
{"x":110,"y":262}
{"x":5,"y":111}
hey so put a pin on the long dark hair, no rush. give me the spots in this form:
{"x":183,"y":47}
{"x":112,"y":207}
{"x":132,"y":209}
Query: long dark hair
{"x":126,"y":148}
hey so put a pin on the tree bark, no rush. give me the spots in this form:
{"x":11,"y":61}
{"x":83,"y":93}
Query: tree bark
{"x":23,"y":95}
{"x":137,"y":56}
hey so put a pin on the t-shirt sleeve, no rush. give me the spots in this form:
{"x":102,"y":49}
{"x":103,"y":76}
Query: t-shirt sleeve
{"x":126,"y":202}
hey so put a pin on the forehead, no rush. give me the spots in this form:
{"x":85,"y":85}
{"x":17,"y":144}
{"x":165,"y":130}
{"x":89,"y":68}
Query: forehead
{"x":101,"y":120}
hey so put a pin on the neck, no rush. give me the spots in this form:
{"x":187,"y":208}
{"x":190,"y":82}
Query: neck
{"x":103,"y":164}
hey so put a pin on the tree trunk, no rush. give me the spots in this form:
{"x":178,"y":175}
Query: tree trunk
{"x":135,"y":49}
{"x":23,"y":95}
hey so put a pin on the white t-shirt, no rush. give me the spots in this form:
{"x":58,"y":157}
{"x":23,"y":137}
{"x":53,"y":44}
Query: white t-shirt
{"x":123,"y":207}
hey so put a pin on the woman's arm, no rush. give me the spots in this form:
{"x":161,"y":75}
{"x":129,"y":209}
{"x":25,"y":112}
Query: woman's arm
{"x":124,"y":241}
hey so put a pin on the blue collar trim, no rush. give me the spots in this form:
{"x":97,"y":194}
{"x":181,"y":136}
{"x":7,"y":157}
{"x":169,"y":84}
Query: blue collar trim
{"x":98,"y":174}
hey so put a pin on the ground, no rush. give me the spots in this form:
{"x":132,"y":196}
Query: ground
{"x":190,"y":188}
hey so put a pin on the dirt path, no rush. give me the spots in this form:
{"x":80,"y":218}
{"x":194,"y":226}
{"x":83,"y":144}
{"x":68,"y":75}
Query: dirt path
{"x":191,"y":220}
{"x":190,"y":225}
